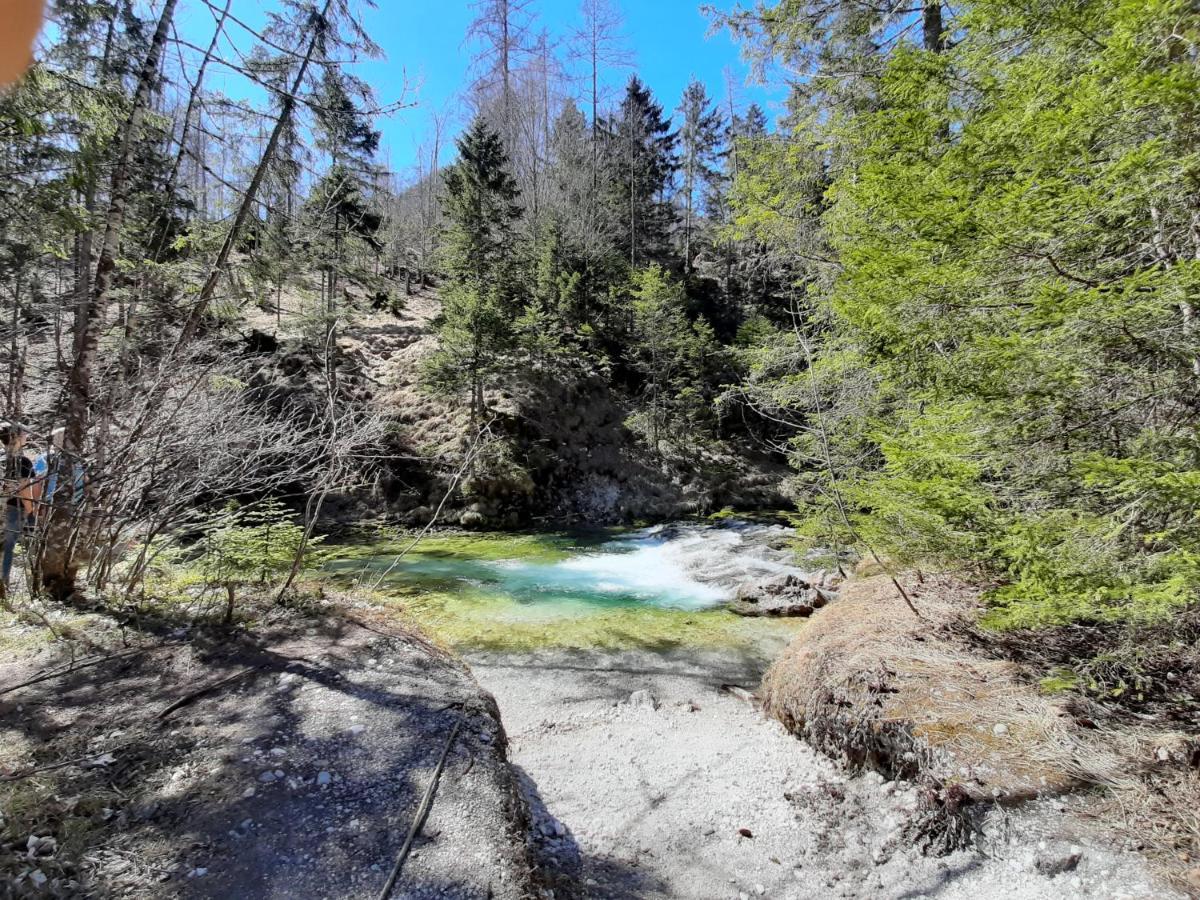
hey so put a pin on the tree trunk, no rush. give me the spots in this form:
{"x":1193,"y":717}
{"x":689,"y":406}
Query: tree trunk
{"x":58,"y":568}
{"x":193,"y":99}
{"x":935,"y":40}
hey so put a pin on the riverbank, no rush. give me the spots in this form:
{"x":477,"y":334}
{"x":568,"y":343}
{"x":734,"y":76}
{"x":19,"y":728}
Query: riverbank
{"x":648,"y":777}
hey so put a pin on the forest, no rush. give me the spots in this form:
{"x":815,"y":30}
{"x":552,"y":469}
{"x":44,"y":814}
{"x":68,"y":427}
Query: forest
{"x":937,"y":312}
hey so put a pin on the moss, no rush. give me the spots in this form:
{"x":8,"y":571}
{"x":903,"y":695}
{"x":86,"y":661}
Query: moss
{"x":471,"y":620}
{"x":1058,"y":682}
{"x":470,"y":546}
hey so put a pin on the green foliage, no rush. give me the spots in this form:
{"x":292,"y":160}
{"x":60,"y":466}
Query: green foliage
{"x":237,"y":548}
{"x":1005,"y":272}
{"x":479,"y":303}
{"x":669,"y":351}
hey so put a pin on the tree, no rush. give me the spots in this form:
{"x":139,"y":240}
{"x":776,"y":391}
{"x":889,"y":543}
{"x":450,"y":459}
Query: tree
{"x":57,"y":566}
{"x":699,"y":145}
{"x":598,"y":43}
{"x":480,"y":300}
{"x":502,"y":29}
{"x":640,"y":154}
{"x":671,"y":353}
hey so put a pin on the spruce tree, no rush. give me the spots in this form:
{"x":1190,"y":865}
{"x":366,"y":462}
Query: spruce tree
{"x":479,"y":299}
{"x":700,"y":139}
{"x":641,"y":162}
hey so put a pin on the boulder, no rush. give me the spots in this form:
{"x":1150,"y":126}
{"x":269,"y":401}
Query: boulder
{"x":779,"y":595}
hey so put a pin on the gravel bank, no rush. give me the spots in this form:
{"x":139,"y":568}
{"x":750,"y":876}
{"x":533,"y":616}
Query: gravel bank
{"x":646,"y":779}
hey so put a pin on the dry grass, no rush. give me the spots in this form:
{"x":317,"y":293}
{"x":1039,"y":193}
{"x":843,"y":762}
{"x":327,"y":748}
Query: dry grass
{"x":870,"y":683}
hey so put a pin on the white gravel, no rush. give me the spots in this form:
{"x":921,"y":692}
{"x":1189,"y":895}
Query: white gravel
{"x":653,"y":795}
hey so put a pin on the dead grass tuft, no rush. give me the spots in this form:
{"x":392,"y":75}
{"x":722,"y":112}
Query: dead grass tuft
{"x":871,"y":685}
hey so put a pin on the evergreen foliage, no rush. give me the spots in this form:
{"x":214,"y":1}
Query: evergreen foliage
{"x":1007,"y":272}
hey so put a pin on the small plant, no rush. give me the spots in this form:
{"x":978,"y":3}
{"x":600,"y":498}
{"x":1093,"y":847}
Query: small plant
{"x":245,"y":545}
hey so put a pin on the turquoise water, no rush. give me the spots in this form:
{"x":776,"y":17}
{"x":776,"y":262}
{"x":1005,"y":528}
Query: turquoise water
{"x":665,"y":584}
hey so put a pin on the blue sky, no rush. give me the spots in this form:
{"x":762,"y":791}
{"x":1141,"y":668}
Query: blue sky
{"x":423,"y":40}
{"x":669,"y":41}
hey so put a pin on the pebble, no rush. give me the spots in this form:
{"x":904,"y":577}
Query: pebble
{"x":643,"y":699}
{"x":266,"y":777}
{"x":324,"y":778}
{"x":999,"y":729}
{"x":278,"y":751}
{"x":248,"y":793}
{"x":357,"y":729}
{"x":38,"y":877}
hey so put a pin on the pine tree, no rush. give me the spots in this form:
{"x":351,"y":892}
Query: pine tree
{"x":700,"y":140}
{"x":640,"y":156}
{"x":480,"y":300}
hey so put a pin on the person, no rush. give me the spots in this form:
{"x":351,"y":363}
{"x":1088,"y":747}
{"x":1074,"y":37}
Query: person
{"x":17,"y":493}
{"x":49,"y":466}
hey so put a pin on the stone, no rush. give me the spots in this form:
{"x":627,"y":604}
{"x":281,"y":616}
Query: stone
{"x":357,"y":729}
{"x":786,"y":595}
{"x":38,"y":878}
{"x":1051,"y":866}
{"x":999,"y":729}
{"x":643,"y":699}
{"x":278,"y":751}
{"x":266,"y":777}
{"x":324,"y":778}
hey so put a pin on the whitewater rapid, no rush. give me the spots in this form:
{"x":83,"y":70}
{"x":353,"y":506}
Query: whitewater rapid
{"x":686,"y":567}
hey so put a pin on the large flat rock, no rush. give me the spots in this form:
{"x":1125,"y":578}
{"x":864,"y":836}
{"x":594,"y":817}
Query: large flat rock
{"x":301,"y":778}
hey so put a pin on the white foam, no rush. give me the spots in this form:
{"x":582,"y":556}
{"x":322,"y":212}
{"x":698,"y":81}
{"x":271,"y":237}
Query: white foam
{"x":683,"y":567}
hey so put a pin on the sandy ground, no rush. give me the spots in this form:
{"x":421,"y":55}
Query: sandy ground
{"x":646,"y":779}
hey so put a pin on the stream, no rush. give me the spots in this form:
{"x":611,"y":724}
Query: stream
{"x":657,"y":587}
{"x":646,"y":772}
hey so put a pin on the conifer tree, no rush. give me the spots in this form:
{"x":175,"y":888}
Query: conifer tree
{"x":480,"y":299}
{"x":641,"y":162}
{"x":700,"y":138}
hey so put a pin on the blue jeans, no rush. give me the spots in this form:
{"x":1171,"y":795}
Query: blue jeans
{"x":14,"y":521}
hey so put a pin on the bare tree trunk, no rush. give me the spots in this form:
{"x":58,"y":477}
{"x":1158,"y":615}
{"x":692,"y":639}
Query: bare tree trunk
{"x":193,"y":99}
{"x":57,"y":566}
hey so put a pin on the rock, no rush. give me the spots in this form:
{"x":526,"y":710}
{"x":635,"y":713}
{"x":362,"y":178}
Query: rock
{"x":999,"y":729}
{"x":787,"y":595}
{"x":357,"y":729}
{"x":266,"y":777}
{"x":40,"y":846}
{"x":419,"y":516}
{"x":472,"y":519}
{"x":746,"y":832}
{"x":1057,"y":865}
{"x":643,"y":699}
{"x":38,"y":878}
{"x":278,"y":751}
{"x":822,"y":597}
{"x":324,"y":778}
